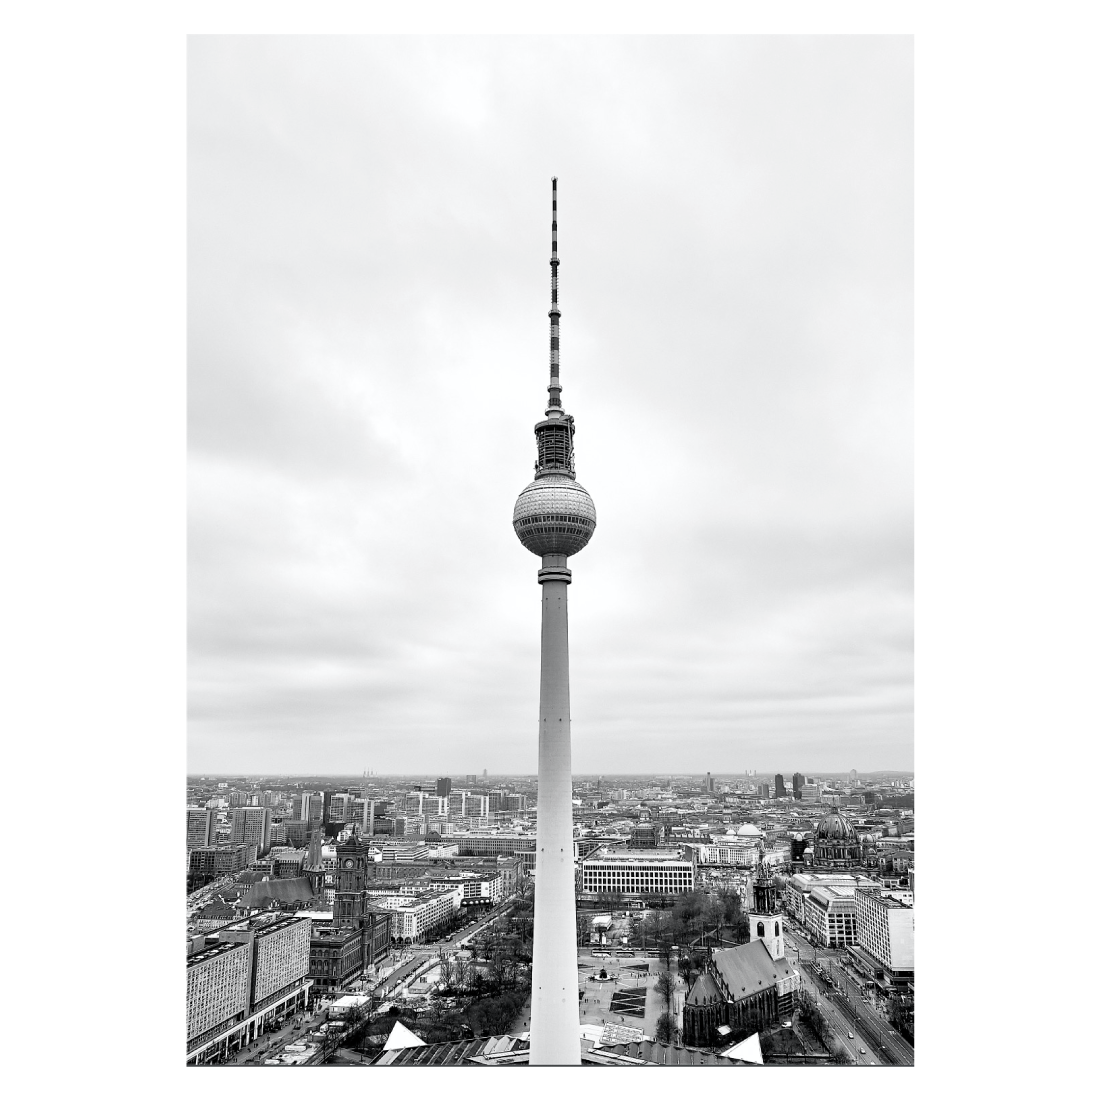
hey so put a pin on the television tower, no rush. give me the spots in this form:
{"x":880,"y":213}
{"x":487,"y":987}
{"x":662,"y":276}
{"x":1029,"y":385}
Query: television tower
{"x":554,"y":518}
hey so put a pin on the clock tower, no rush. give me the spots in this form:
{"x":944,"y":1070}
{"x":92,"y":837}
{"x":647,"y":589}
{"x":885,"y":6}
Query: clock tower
{"x":350,"y":904}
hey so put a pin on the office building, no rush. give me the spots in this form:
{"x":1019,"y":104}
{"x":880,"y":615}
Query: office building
{"x":201,"y":826}
{"x":780,"y":790}
{"x":251,"y":825}
{"x":340,"y":806}
{"x":797,"y":781}
{"x":442,"y":787}
{"x":885,"y":932}
{"x":238,"y":987}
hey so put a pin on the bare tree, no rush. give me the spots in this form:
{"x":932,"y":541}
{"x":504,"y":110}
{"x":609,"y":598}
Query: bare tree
{"x":666,"y":986}
{"x":461,"y":977}
{"x":667,"y":1031}
{"x":446,"y":971}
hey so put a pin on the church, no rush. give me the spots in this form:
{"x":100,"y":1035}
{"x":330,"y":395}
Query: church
{"x":746,"y":988}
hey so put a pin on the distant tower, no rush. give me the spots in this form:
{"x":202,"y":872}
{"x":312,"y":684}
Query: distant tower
{"x":554,"y":517}
{"x":780,"y":790}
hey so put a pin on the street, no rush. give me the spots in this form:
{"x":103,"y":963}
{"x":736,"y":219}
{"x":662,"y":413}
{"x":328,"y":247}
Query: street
{"x":848,"y":1007}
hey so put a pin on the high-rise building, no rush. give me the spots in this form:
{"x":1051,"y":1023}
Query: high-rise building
{"x":554,"y":518}
{"x":201,"y":825}
{"x":442,"y":787}
{"x":339,"y":806}
{"x":710,"y":783}
{"x":780,"y":790}
{"x":797,"y":780}
{"x":251,"y":825}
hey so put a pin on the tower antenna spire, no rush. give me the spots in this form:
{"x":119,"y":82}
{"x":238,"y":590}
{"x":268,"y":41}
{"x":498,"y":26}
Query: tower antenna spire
{"x":554,"y":406}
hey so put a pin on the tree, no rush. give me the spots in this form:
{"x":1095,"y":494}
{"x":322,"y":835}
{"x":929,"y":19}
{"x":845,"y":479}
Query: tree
{"x":666,"y":1028}
{"x":665,"y":986}
{"x":461,"y":976}
{"x":446,"y":971}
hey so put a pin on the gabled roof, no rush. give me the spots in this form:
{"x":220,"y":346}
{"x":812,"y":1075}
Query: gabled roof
{"x":750,"y":969}
{"x":703,"y":991}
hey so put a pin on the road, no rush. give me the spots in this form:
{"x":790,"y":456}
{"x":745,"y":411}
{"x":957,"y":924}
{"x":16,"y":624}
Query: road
{"x":848,"y":1007}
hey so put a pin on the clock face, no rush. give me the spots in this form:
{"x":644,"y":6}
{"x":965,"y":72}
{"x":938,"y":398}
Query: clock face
{"x":349,"y":863}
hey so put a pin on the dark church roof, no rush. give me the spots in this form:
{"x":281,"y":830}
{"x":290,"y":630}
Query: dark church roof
{"x":283,"y":891}
{"x":750,"y":969}
{"x":704,"y":991}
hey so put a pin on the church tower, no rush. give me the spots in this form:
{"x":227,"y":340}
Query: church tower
{"x":765,"y":920}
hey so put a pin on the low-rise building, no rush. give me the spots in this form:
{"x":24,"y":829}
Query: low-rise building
{"x":417,"y":914}
{"x":638,"y":872}
{"x":799,"y":887}
{"x":212,"y":861}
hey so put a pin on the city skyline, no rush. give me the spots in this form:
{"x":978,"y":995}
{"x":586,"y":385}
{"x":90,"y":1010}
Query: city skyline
{"x":739,"y":232}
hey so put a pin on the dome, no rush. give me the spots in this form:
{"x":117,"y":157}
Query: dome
{"x":835,"y":826}
{"x":748,"y":829}
{"x":554,"y":515}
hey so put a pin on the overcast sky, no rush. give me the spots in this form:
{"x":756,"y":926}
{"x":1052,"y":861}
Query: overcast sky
{"x":369,"y":229}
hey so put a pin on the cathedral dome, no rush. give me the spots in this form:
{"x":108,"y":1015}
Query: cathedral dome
{"x":835,"y":826}
{"x":554,"y":515}
{"x":749,"y":829}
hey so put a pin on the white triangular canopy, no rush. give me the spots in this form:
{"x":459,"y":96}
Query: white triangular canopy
{"x":748,"y":1050}
{"x":402,"y":1037}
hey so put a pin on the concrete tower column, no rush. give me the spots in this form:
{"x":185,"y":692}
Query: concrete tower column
{"x":555,"y":1014}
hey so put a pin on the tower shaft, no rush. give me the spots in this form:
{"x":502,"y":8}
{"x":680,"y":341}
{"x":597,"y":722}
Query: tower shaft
{"x":555,"y":1015}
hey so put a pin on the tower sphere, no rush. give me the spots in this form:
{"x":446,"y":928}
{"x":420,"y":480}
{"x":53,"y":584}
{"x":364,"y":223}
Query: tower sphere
{"x":554,"y":515}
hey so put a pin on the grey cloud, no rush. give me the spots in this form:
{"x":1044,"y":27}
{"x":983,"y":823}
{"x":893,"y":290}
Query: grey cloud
{"x":368,"y":236}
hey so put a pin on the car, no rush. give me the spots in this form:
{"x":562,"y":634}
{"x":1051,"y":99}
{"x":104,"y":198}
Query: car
{"x":862,"y":1051}
{"x":850,"y":1035}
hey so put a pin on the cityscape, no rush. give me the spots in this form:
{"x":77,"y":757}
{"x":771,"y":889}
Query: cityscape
{"x":388,"y":920}
{"x":580,"y":914}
